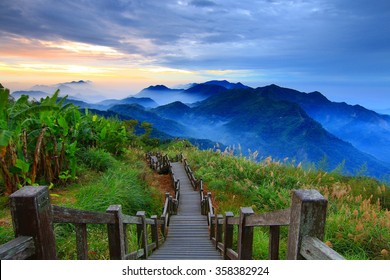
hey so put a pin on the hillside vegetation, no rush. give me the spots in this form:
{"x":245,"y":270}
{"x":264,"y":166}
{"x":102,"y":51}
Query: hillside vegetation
{"x":358,"y":218}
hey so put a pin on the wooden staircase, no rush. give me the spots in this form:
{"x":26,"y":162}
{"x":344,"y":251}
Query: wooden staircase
{"x":188,"y":233}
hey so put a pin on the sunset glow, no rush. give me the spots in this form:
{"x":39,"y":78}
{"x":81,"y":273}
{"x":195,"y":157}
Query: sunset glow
{"x":126,"y":46}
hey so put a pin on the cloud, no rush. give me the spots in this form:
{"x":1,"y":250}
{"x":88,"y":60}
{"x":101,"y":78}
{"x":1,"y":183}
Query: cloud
{"x":319,"y":39}
{"x":202,"y":3}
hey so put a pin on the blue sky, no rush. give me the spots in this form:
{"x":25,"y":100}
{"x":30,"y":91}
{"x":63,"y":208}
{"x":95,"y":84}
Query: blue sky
{"x":340,"y":48}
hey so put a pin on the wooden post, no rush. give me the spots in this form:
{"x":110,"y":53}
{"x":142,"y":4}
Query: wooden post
{"x":308,"y":214}
{"x":116,"y":239}
{"x":165,"y":215}
{"x":212,"y":225}
{"x":210,"y":203}
{"x":245,"y":235}
{"x":125,"y":239}
{"x":142,"y":233}
{"x":155,"y":231}
{"x":200,"y":188}
{"x":81,"y":241}
{"x":228,"y":234}
{"x":32,"y":216}
{"x":170,"y":206}
{"x":274,"y":237}
{"x":218,"y":230}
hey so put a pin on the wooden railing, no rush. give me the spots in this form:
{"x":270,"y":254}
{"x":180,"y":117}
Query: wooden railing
{"x":306,"y":221}
{"x":305,"y":218}
{"x":33,"y":218}
{"x":158,"y":162}
{"x":190,"y":174}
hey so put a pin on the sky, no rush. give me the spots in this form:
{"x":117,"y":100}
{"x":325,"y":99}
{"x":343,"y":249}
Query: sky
{"x":338,"y":47}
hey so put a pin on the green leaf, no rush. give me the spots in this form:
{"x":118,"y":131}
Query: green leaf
{"x":24,"y":166}
{"x":5,"y":137}
{"x":14,"y":170}
{"x":4,"y":94}
{"x":72,"y":148}
{"x":103,"y":133}
{"x":64,"y":125}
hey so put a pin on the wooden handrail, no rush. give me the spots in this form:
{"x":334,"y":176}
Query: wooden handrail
{"x":19,"y":248}
{"x":277,"y":218}
{"x":77,"y":216}
{"x":312,"y":207}
{"x":314,"y":249}
{"x":35,"y":235}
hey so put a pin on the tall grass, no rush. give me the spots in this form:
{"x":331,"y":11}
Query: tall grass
{"x":122,"y":183}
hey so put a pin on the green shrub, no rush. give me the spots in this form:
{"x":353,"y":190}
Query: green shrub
{"x":97,"y":159}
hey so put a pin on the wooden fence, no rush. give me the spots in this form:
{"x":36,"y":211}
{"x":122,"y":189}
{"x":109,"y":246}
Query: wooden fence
{"x":306,"y":221}
{"x":33,"y":218}
{"x":158,"y":162}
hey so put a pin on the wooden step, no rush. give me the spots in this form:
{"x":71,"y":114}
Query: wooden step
{"x":188,"y":233}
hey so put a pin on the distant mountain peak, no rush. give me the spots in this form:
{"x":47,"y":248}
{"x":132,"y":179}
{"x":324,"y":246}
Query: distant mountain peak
{"x":157,"y":88}
{"x":78,"y":82}
{"x":318,"y":96}
{"x":226,"y":84}
{"x":206,"y":88}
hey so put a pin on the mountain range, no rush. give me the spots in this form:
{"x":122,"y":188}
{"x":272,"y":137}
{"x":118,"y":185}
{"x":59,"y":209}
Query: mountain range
{"x":276,"y":121}
{"x":76,"y":90}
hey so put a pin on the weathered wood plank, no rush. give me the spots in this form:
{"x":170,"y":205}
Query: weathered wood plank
{"x":231,"y":254}
{"x":228,"y":233}
{"x":276,"y":218}
{"x":274,"y":237}
{"x":154,"y":230}
{"x":135,"y":255}
{"x":245,"y":235}
{"x":81,"y":241}
{"x":212,"y":225}
{"x":76,"y":216}
{"x":233,"y":221}
{"x":116,"y":234}
{"x":220,"y":246}
{"x":218,"y":229}
{"x":126,"y":219}
{"x":210,"y":202}
{"x":19,"y":248}
{"x":314,"y":249}
{"x":142,"y":233}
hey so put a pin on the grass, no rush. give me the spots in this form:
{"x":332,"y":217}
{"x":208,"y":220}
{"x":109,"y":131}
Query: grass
{"x":125,"y":183}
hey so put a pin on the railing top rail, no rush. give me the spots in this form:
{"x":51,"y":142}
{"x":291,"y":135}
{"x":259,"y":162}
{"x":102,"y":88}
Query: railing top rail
{"x":77,"y":216}
{"x":19,"y":248}
{"x":314,"y":249}
{"x":276,"y":218}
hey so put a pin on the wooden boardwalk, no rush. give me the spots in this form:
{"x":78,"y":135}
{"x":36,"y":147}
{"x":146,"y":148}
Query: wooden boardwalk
{"x":188,"y":235}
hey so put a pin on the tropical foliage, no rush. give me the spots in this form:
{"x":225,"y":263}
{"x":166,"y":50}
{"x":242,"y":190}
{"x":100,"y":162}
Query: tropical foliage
{"x":40,"y":142}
